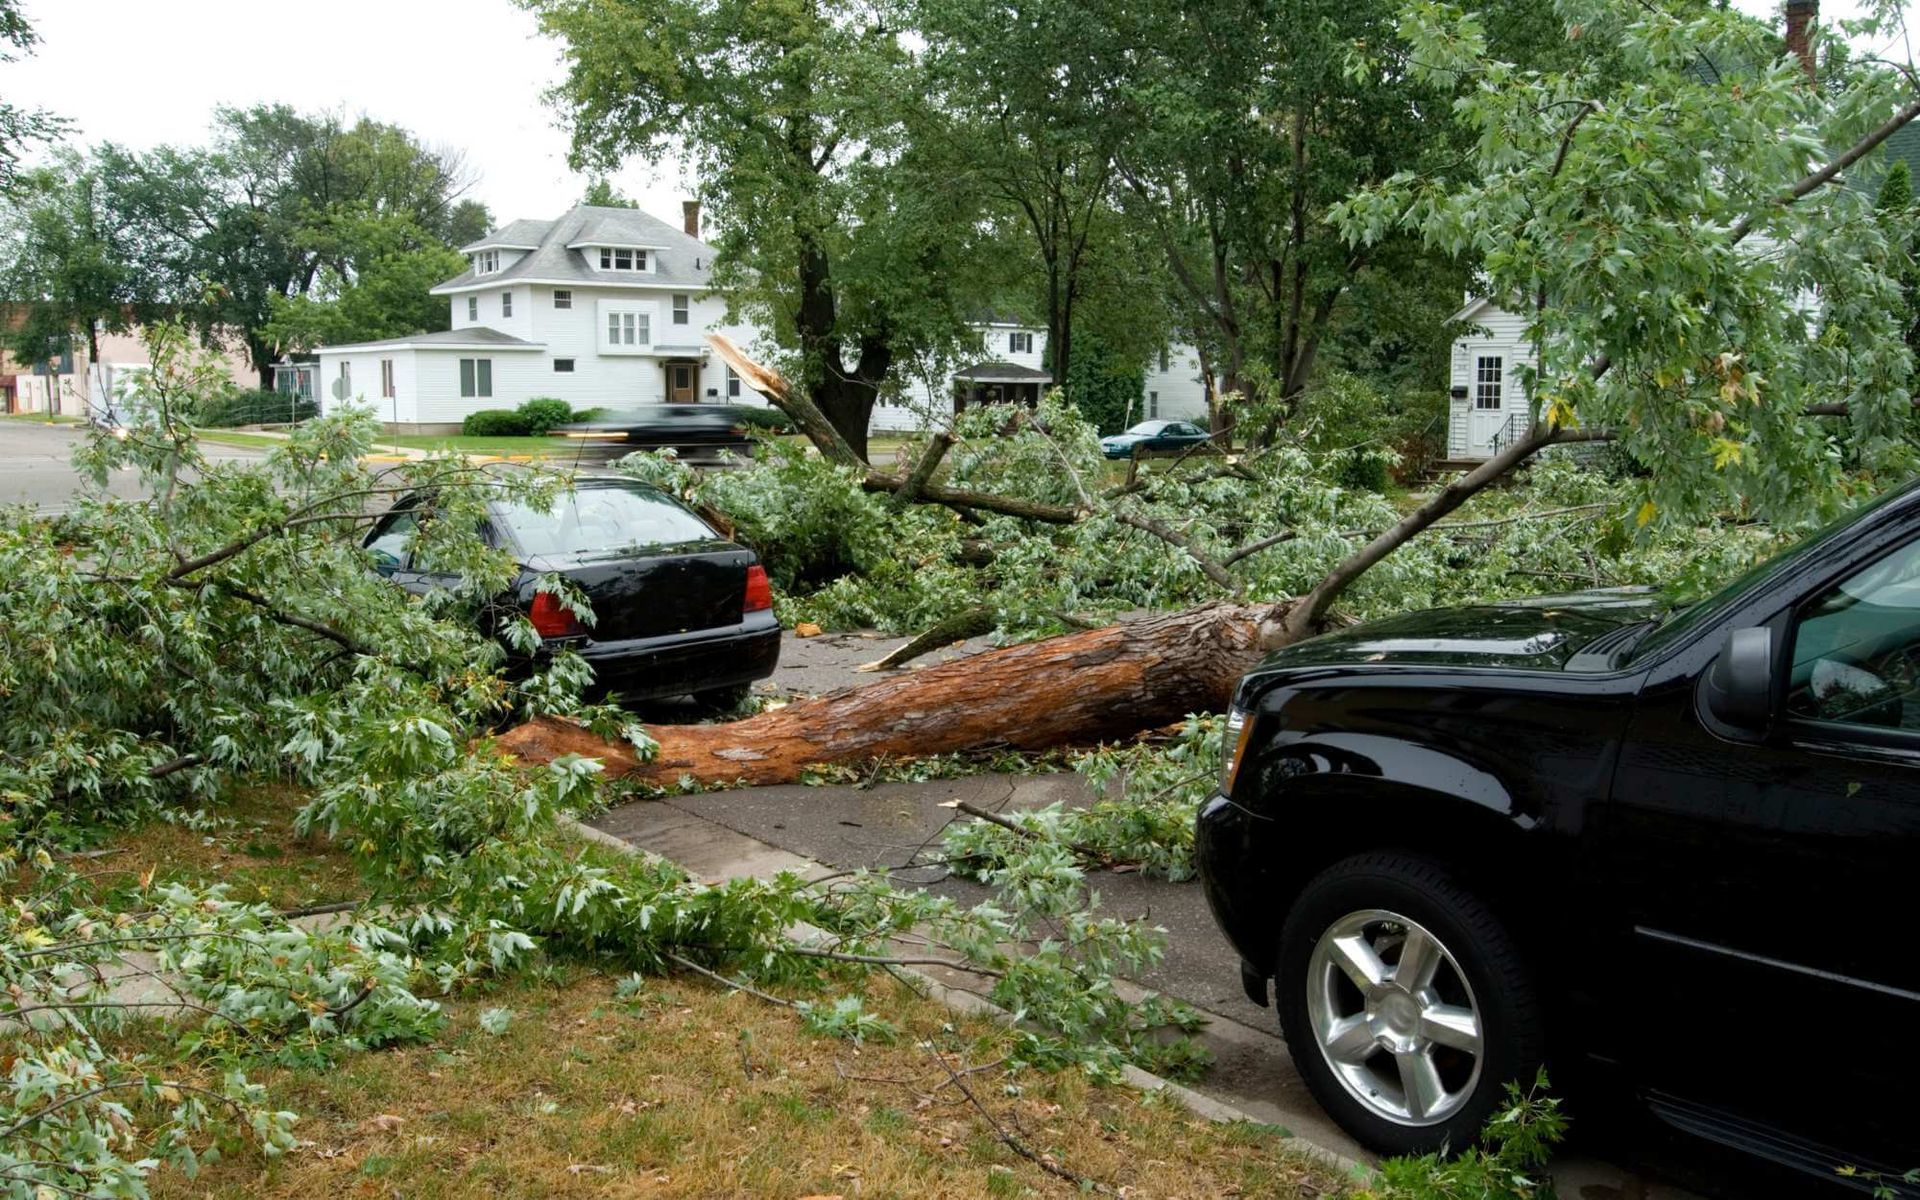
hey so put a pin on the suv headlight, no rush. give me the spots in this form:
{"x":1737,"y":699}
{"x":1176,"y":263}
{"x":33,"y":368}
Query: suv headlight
{"x":1233,"y":747}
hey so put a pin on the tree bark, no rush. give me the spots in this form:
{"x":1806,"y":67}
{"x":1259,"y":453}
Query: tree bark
{"x":1079,"y":688}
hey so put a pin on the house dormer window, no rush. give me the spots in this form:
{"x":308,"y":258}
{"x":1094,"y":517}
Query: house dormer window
{"x":629,"y":329}
{"x":486,"y":262}
{"x":616,"y":259}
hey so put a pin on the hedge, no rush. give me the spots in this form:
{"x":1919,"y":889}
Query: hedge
{"x":496,"y":422}
{"x":255,"y":408}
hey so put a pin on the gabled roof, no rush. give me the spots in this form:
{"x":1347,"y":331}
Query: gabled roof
{"x":515,"y":235}
{"x":560,"y":249}
{"x":1474,"y":308}
{"x":474,"y":337}
{"x":1001,"y":372}
{"x":1903,"y":145}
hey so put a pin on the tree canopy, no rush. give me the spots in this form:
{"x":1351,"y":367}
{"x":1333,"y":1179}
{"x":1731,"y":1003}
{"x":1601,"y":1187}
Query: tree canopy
{"x":839,"y":231}
{"x":292,"y":229}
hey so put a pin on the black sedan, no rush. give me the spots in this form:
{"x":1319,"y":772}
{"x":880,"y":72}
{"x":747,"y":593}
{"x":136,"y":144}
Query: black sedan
{"x":695,"y":431}
{"x":678,"y":609}
{"x":1671,"y":852}
{"x":1153,"y":435}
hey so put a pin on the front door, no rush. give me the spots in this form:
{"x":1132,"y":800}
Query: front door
{"x":1486,"y":404}
{"x":682,"y":378}
{"x":1766,"y":883}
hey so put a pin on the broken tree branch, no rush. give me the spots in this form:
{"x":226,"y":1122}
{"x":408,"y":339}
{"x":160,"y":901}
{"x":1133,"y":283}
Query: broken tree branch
{"x":974,"y":622}
{"x":788,"y":399}
{"x":1173,"y":537}
{"x":922,"y":472}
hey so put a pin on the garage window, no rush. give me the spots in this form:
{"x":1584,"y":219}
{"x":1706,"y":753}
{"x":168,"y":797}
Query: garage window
{"x":476,"y":377}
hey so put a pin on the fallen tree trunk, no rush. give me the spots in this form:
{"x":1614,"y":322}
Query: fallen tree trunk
{"x":1081,"y":687}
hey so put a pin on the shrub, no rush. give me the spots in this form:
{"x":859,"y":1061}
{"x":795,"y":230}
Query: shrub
{"x":495,"y":422}
{"x":254,"y":408}
{"x":765,"y":417}
{"x":542,"y":413}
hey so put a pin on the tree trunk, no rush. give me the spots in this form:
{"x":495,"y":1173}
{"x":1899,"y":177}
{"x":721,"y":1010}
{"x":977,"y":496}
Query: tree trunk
{"x":1077,"y":688}
{"x":847,"y":402}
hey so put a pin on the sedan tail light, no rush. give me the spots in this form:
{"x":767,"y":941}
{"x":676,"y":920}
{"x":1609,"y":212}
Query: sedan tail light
{"x":759,"y":590}
{"x":552,"y":619}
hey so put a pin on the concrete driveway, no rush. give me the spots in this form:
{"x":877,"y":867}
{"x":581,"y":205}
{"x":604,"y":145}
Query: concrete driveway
{"x":36,"y":464}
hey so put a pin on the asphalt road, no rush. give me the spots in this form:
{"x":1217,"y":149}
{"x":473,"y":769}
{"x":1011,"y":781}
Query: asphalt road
{"x":36,"y":465}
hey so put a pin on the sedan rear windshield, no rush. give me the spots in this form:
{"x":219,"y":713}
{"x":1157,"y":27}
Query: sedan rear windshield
{"x":603,"y":520}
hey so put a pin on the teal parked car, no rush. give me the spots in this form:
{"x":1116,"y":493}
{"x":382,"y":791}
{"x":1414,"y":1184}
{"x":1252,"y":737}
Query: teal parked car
{"x":1153,"y":435}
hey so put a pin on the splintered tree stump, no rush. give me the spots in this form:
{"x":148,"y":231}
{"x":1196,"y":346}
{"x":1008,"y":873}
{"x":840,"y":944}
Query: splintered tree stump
{"x":1076,"y":688}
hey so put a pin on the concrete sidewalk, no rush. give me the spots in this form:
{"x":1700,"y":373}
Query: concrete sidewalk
{"x":759,"y":831}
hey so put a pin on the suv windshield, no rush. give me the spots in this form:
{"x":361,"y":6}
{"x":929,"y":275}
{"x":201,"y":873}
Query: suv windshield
{"x":1708,"y":609}
{"x":601,"y":520}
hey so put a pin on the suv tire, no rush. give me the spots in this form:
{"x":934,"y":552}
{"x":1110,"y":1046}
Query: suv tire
{"x":1405,"y":1066}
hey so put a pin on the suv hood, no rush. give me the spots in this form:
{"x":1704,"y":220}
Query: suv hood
{"x":1541,"y":633}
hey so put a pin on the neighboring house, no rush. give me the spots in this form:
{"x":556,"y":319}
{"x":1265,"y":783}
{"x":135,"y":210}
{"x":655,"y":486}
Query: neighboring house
{"x":70,"y":383}
{"x":1486,"y":407}
{"x":1486,"y":404}
{"x":1012,"y":370}
{"x":602,"y":307}
{"x":611,"y":308}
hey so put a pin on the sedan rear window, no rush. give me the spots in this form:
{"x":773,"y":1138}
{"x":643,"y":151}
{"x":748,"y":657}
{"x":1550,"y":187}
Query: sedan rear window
{"x":596,"y":520}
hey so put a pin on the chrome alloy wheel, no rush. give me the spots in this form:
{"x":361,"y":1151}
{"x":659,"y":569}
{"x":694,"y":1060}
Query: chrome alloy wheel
{"x":1394,"y":1017}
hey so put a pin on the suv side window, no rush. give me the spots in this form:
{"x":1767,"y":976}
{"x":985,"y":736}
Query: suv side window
{"x":392,"y":543}
{"x":1856,"y":648}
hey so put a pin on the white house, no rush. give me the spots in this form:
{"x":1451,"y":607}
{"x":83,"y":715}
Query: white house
{"x":1486,"y":404}
{"x":610,"y":308}
{"x":1011,"y":368}
{"x":603,"y":307}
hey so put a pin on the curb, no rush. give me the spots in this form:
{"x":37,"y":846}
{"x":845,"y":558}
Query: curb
{"x":971,"y":1004}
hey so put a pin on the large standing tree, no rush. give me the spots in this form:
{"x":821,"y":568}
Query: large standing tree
{"x":1235,"y":125}
{"x":1025,"y":125}
{"x":838,"y":230}
{"x":67,"y":270}
{"x":19,"y":127}
{"x":284,"y":205}
{"x":1665,"y":226}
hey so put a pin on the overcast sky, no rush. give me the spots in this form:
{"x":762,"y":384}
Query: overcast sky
{"x":465,"y":74}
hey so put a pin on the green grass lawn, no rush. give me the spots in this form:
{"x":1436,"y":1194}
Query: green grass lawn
{"x":42,"y":418}
{"x":232,"y":437}
{"x":505,"y":446}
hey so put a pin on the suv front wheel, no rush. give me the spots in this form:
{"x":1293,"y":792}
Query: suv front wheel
{"x":1404,"y":1002}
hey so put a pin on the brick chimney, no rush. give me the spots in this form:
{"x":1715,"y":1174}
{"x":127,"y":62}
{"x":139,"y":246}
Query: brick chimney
{"x":1801,"y":15}
{"x":690,"y":209}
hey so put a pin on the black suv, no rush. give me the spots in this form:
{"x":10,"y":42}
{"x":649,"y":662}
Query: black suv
{"x":1587,"y":831}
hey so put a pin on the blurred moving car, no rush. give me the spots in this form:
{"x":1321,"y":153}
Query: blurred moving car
{"x":678,"y":609}
{"x":1153,"y":435}
{"x":695,"y":431}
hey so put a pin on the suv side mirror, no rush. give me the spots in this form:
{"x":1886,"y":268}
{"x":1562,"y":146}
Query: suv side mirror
{"x":1739,"y":685}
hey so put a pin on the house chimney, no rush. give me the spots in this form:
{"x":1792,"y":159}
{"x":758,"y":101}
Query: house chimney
{"x":1801,"y":15}
{"x":690,"y":209}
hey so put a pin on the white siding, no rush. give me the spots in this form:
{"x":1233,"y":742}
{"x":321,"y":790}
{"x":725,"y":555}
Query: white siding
{"x":1179,"y":392}
{"x":438,"y":400}
{"x":1498,"y":333}
{"x":427,"y":380}
{"x":364,"y":375}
